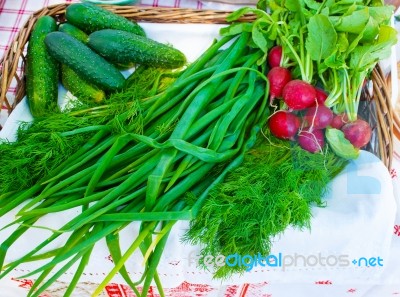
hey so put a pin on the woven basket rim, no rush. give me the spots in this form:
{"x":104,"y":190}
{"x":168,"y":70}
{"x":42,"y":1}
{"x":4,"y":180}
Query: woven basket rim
{"x":14,"y":55}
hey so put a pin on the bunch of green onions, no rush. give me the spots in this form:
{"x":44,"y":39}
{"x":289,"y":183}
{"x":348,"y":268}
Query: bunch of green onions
{"x":193,"y":134}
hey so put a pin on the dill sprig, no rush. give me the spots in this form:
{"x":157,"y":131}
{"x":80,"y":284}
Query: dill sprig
{"x":32,"y":157}
{"x":275,"y":187}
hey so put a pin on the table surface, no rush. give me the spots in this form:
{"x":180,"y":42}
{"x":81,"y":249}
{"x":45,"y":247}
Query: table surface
{"x":13,"y":14}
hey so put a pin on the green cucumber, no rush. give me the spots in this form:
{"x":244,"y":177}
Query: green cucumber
{"x":90,"y":17}
{"x":84,"y":61}
{"x":73,"y":31}
{"x":42,"y":70}
{"x":79,"y":87}
{"x":119,"y":47}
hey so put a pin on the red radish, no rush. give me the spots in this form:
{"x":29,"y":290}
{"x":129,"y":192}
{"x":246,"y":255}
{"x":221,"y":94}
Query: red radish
{"x":321,"y":96}
{"x":358,"y":132}
{"x":278,"y":77}
{"x":318,"y":117}
{"x":299,"y":94}
{"x":339,"y":121}
{"x":311,"y":141}
{"x":284,"y":124}
{"x":275,"y":56}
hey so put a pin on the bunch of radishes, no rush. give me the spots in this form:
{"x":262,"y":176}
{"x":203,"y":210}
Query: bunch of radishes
{"x":304,"y":116}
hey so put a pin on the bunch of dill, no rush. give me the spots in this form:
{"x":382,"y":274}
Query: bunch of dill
{"x":275,"y":187}
{"x":48,"y":141}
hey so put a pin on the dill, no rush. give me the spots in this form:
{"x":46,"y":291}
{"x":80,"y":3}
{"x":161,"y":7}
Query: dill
{"x":48,"y":141}
{"x":39,"y":148}
{"x":275,"y":187}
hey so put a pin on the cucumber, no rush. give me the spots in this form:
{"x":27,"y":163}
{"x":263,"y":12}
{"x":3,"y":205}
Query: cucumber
{"x":79,"y":87}
{"x":90,"y":17}
{"x":84,"y":61}
{"x":119,"y":46}
{"x":73,"y":31}
{"x":42,"y":70}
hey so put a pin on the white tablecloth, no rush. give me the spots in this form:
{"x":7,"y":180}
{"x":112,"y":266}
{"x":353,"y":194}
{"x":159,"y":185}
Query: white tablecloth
{"x":359,"y":223}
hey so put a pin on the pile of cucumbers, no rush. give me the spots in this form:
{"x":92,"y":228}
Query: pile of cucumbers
{"x":87,"y":53}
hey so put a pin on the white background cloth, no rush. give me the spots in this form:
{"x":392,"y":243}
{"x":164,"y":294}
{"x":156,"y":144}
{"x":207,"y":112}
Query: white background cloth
{"x":361,"y":220}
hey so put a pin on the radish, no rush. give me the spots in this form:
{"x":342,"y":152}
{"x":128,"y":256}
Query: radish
{"x":299,"y":94}
{"x":339,"y":121}
{"x":321,"y":96}
{"x":284,"y":124}
{"x":312,"y":141}
{"x":275,"y":56}
{"x":278,"y":77}
{"x":358,"y":132}
{"x":318,"y":117}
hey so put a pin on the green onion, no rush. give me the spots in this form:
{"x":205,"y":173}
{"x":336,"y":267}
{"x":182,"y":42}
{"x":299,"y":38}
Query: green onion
{"x":143,"y":163}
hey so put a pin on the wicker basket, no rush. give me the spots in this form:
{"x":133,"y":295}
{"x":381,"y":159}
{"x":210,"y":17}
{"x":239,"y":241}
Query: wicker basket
{"x":378,"y":108}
